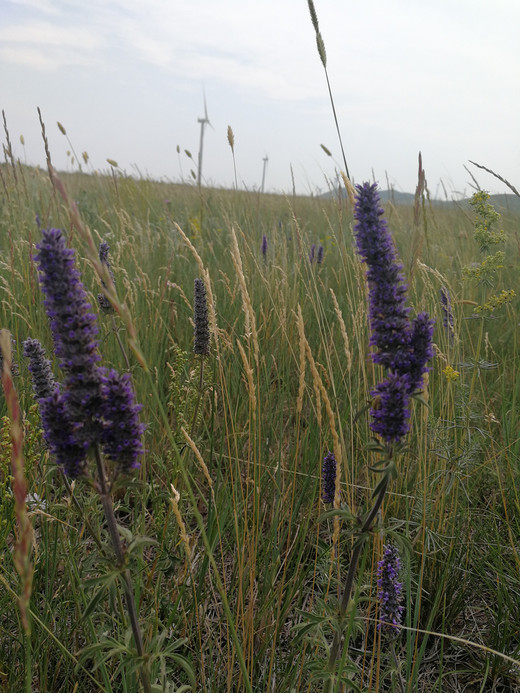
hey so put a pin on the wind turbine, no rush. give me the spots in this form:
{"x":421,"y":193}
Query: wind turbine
{"x":265,"y":160}
{"x":203,"y":122}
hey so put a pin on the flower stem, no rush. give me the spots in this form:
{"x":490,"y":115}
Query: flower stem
{"x":108,"y":507}
{"x":349,"y":582}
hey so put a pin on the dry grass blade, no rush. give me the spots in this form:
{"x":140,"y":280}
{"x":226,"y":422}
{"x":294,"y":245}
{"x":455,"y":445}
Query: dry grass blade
{"x":509,"y":185}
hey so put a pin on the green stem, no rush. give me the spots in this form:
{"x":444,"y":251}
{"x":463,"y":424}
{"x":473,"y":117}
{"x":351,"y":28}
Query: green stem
{"x":336,"y":122}
{"x":397,"y":668}
{"x":108,"y":507}
{"x":349,"y":582}
{"x":205,"y":539}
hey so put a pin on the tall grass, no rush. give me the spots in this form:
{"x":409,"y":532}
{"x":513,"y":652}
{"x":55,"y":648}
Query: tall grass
{"x":237,"y":558}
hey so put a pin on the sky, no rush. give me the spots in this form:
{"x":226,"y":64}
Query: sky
{"x":127,"y":79}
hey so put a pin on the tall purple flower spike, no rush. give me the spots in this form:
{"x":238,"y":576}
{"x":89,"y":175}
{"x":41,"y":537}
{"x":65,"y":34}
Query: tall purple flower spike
{"x":328,"y":478}
{"x":74,"y":331}
{"x":200,"y":319}
{"x":264,"y":246}
{"x":390,"y":590}
{"x":403,"y":348}
{"x":92,"y":406}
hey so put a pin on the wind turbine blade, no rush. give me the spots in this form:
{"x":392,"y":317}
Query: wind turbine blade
{"x":205,"y":107}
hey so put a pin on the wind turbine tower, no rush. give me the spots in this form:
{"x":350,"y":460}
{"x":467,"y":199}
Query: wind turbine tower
{"x":265,"y":160}
{"x":203,"y":122}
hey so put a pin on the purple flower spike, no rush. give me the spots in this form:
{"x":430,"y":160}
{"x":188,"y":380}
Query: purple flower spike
{"x":121,"y":437}
{"x":320,"y":255}
{"x":328,"y":473}
{"x":421,"y":343}
{"x":389,"y":410}
{"x":200,"y":319}
{"x":264,"y":246}
{"x":43,"y":381}
{"x":388,"y":313}
{"x":311,"y":253}
{"x":389,"y":590}
{"x":74,"y":330}
{"x":104,"y":304}
{"x":447,"y":320}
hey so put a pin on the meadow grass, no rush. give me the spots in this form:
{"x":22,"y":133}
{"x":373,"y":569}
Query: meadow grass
{"x":229,"y":489}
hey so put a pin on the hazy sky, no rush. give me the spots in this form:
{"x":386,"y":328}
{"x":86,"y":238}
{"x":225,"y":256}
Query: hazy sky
{"x":126,"y":79}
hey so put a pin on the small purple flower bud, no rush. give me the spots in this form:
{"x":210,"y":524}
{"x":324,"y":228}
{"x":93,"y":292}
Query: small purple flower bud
{"x":389,"y":590}
{"x":104,"y":304}
{"x":264,"y":246}
{"x":200,"y":319}
{"x":311,"y":253}
{"x":447,"y":312}
{"x":328,"y":474}
{"x":43,"y":381}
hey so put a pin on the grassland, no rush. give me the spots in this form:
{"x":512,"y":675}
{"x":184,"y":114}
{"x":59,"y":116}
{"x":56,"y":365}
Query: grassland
{"x":239,"y":559}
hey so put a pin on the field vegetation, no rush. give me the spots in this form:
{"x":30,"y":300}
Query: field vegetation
{"x":234,"y":570}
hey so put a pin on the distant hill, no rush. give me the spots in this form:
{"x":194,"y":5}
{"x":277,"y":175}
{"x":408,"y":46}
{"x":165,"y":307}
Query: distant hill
{"x":505,"y":201}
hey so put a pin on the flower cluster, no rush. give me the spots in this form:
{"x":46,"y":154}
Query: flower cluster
{"x":389,"y":590}
{"x":264,"y":247}
{"x":389,"y":410}
{"x":90,"y":407}
{"x":121,"y":436}
{"x":200,"y":319}
{"x":59,"y":431}
{"x":74,"y":330}
{"x":401,"y":346}
{"x":43,"y":381}
{"x":328,"y":472}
